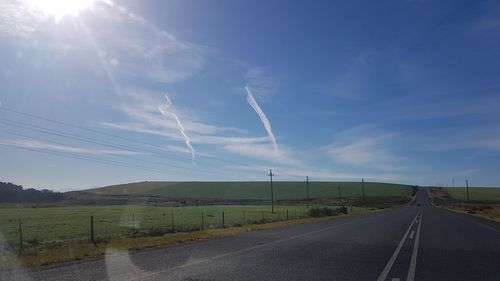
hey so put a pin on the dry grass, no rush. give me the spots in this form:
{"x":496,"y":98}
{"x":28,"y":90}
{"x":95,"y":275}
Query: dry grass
{"x":442,"y":198}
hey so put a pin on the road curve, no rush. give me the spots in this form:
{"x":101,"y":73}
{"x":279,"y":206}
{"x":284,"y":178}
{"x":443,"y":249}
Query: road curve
{"x":407,"y":243}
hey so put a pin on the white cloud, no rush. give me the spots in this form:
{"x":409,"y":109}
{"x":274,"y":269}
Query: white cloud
{"x":298,"y":173}
{"x":167,"y":111}
{"x":483,"y":137}
{"x":363,"y":147}
{"x":263,"y":118}
{"x":36,"y":144}
{"x":141,"y":106}
{"x":262,"y":151}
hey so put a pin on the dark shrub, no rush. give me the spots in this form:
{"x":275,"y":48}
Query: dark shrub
{"x":326,"y":212}
{"x":342,"y":210}
{"x":33,"y":242}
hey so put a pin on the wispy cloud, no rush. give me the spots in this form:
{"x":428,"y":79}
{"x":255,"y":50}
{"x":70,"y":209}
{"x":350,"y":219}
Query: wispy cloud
{"x":167,"y":112}
{"x":263,"y":151}
{"x":146,"y":119}
{"x":484,"y":137}
{"x":363,"y":147}
{"x":263,"y":119}
{"x":298,"y":173}
{"x":143,"y":51}
{"x":36,"y":144}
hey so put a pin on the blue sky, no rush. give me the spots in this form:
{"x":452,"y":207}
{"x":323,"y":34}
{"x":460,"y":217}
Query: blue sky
{"x":398,"y":91}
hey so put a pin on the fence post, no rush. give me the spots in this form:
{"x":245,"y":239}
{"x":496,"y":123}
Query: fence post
{"x":201,"y":220}
{"x":172,"y":221}
{"x":244,"y":218}
{"x":20,"y":237}
{"x":222,"y":219}
{"x":92,"y":230}
{"x":286,"y":214}
{"x":262,"y":214}
{"x":133,"y":223}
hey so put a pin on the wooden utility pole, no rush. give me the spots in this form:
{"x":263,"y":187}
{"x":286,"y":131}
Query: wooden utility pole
{"x":363,"y":189}
{"x":307,"y":191}
{"x":20,"y":237}
{"x":172,"y":221}
{"x":92,"y":239}
{"x":272,"y":191}
{"x":467,"y":187}
{"x":202,"y":220}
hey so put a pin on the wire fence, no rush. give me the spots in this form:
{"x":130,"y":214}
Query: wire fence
{"x":33,"y":231}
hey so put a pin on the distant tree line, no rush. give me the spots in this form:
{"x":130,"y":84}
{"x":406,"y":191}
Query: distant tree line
{"x":12,"y":193}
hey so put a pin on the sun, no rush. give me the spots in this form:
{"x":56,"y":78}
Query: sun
{"x":60,"y":8}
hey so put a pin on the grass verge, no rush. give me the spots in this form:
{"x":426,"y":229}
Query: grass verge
{"x":64,"y":251}
{"x":443,"y":199}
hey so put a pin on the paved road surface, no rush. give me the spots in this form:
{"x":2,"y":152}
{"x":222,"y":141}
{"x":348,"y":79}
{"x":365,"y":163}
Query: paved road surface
{"x":408,"y":243}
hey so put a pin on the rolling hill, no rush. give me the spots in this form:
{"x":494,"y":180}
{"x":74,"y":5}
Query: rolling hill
{"x":249,"y":190}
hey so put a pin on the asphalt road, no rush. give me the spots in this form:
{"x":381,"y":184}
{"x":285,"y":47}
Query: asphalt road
{"x":407,"y":243}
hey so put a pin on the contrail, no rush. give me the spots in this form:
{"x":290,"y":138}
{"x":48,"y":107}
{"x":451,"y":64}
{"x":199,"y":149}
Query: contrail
{"x":263,"y":118}
{"x":165,"y":112}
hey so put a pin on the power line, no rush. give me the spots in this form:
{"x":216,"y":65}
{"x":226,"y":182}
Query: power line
{"x":117,"y":136}
{"x":96,"y":160}
{"x":83,"y":139}
{"x":100,"y":142}
{"x":82,"y":128}
{"x":115,"y":155}
{"x":59,"y":133}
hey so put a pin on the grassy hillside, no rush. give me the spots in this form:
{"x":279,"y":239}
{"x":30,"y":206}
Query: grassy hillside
{"x":130,"y":188}
{"x":253,"y":190}
{"x":475,"y":193}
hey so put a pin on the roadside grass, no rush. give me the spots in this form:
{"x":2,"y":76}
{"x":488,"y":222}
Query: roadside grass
{"x":486,"y":209}
{"x":42,"y":224}
{"x":61,"y":231}
{"x":71,"y":250}
{"x":481,"y":194}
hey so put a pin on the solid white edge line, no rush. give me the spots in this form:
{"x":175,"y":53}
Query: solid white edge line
{"x":390,"y":263}
{"x":413,"y":261}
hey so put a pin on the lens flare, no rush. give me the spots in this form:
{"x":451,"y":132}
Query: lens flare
{"x":60,"y":8}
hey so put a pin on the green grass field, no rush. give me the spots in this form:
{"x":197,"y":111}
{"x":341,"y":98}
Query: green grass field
{"x":254,"y":190}
{"x":66,"y":223}
{"x":475,"y":194}
{"x":42,"y":224}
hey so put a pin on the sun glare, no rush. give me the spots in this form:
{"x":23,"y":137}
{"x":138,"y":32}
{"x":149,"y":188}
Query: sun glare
{"x":60,"y":8}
